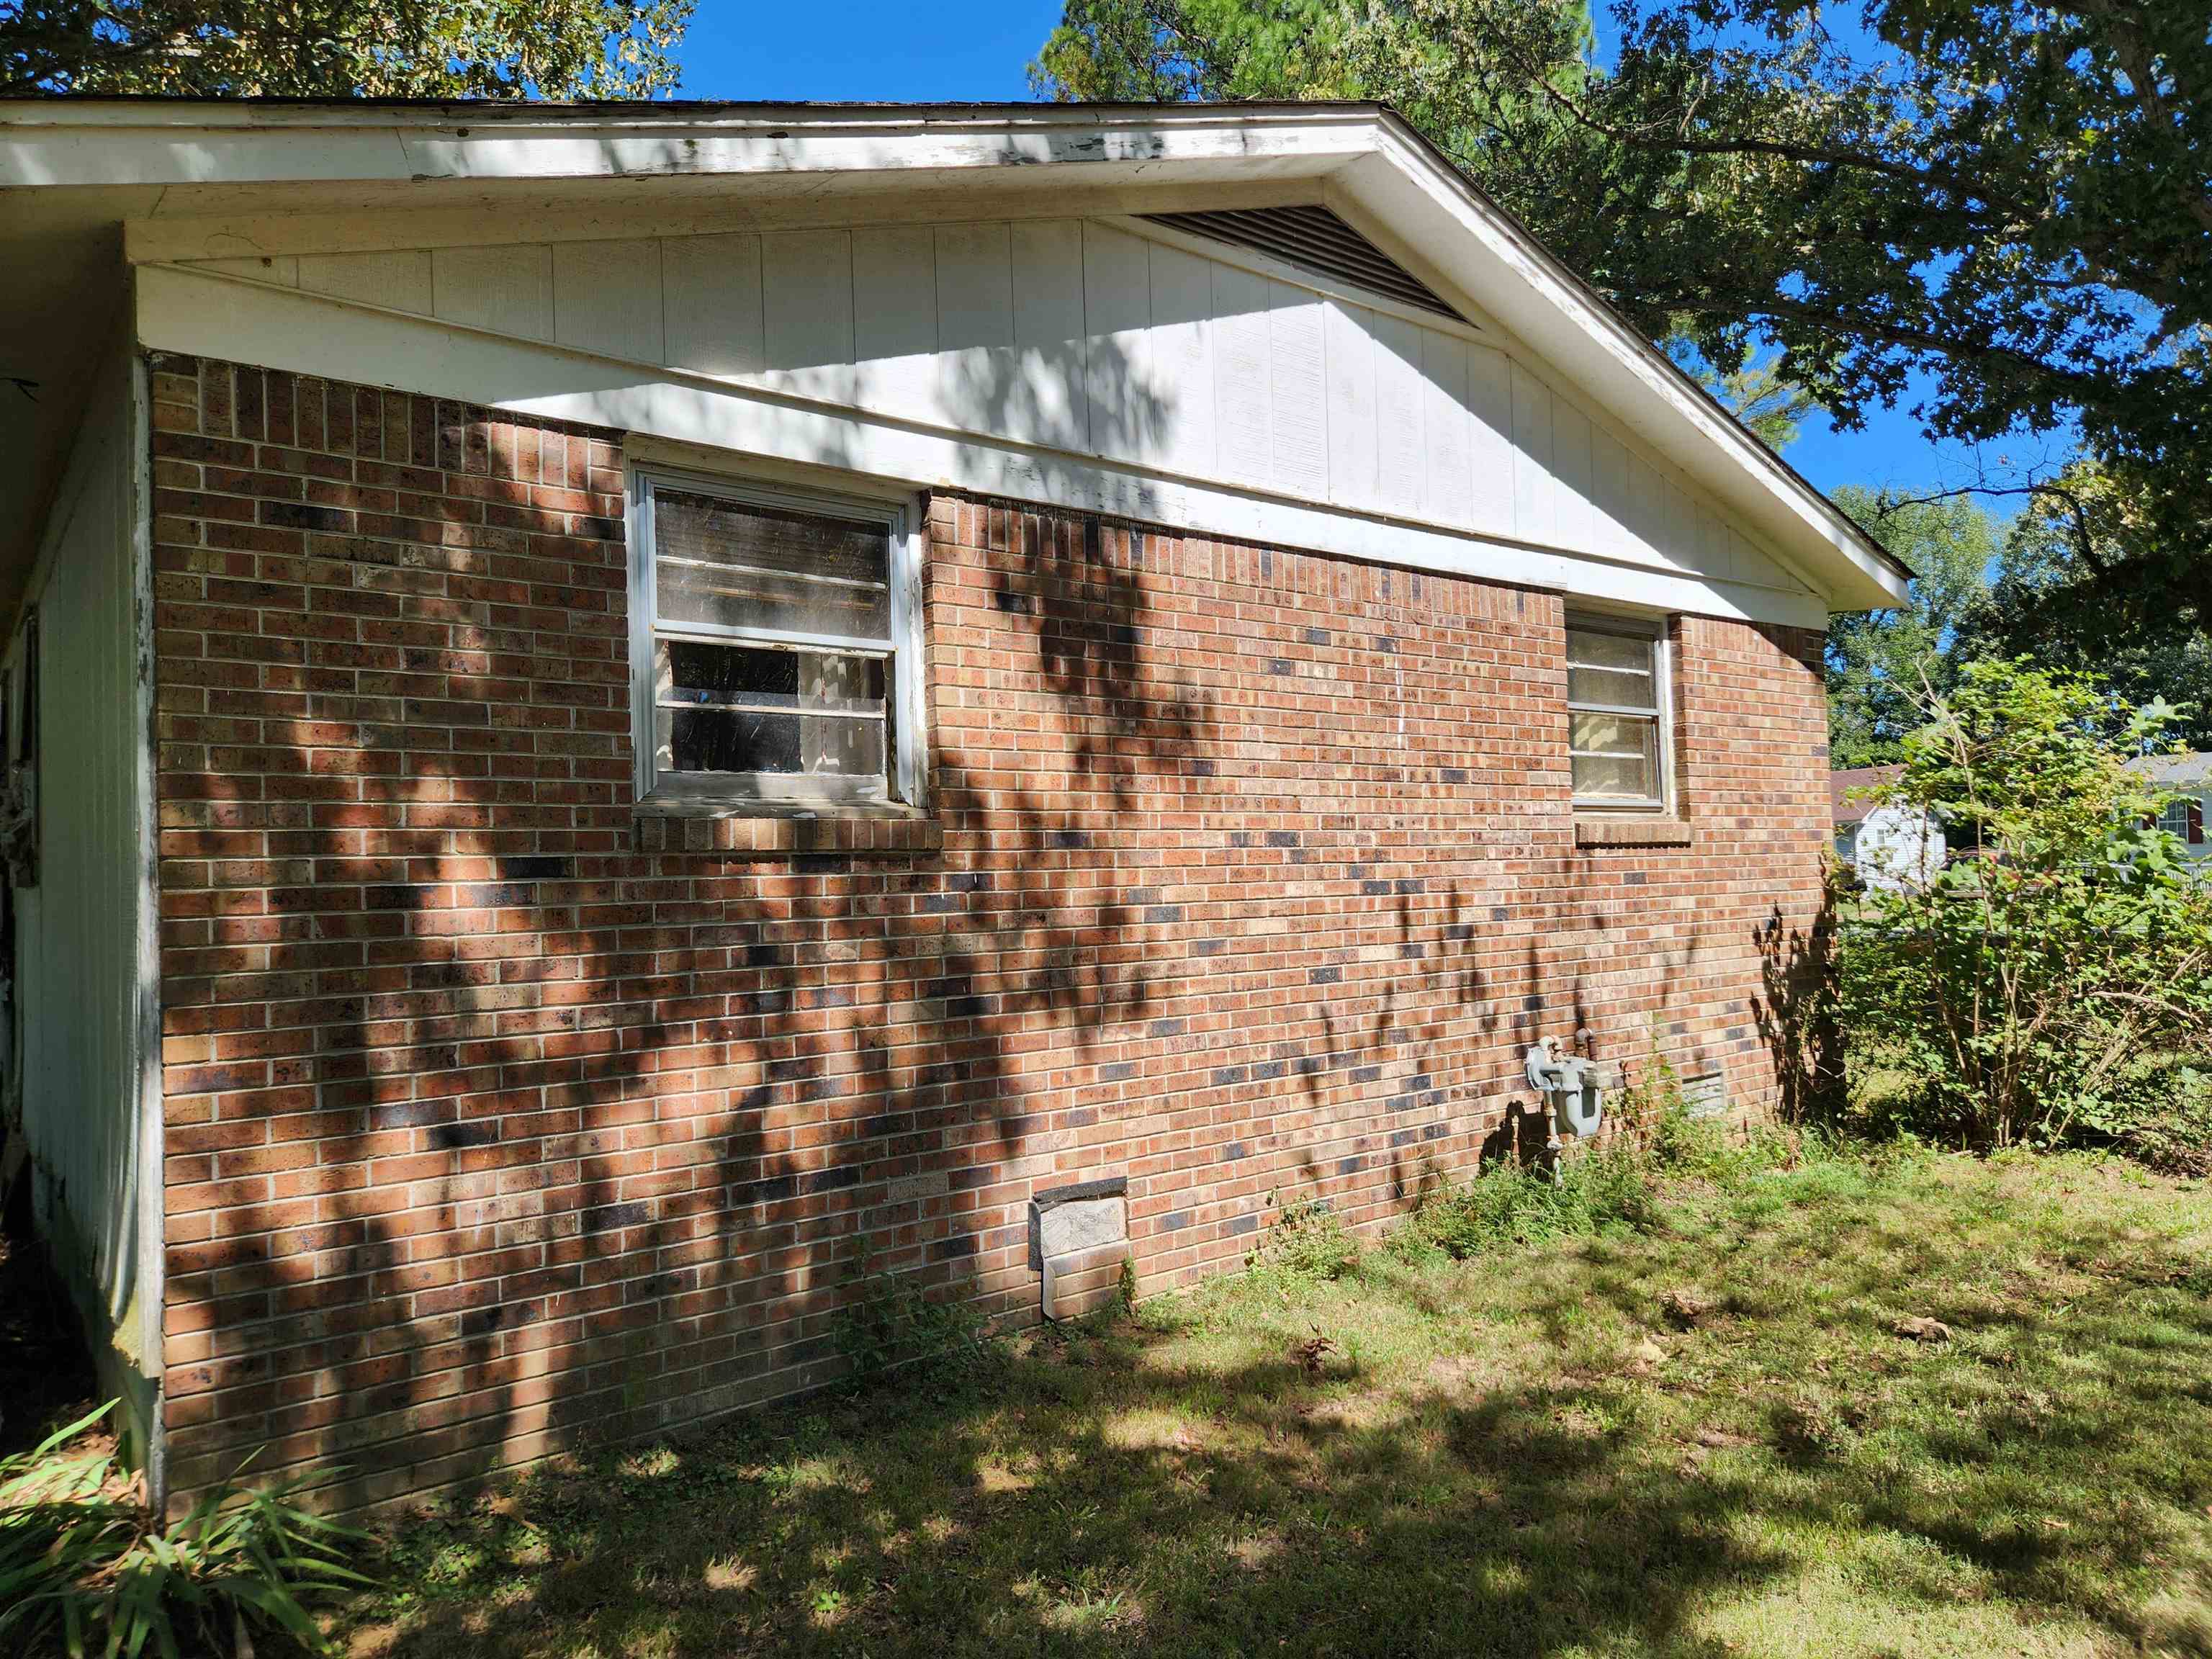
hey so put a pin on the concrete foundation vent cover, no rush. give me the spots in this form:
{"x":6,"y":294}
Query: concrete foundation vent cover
{"x":1078,"y":1239}
{"x":1706,"y":1096}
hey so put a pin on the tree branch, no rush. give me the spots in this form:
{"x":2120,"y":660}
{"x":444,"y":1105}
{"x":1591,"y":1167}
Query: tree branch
{"x":2060,"y":493}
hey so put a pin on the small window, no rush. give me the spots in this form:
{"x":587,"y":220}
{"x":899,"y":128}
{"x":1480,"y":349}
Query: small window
{"x":774,"y":656}
{"x":2184,"y":816}
{"x":1617,"y":701}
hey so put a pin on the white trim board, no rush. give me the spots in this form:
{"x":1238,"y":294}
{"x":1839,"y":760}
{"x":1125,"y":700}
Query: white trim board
{"x":248,"y":322}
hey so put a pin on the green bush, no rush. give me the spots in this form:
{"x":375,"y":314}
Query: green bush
{"x":1653,"y":1114}
{"x":1307,"y":1242}
{"x":1604,"y":1189}
{"x":889,"y":1323}
{"x":83,"y":1566}
{"x":2054,"y":983}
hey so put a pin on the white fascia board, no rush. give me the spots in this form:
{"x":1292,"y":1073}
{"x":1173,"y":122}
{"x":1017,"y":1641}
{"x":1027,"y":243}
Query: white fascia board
{"x":1409,"y":189}
{"x":99,"y":143}
{"x":706,"y":420}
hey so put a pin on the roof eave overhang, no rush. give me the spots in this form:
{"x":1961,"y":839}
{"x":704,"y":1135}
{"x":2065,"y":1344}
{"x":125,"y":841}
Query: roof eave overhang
{"x":185,"y":164}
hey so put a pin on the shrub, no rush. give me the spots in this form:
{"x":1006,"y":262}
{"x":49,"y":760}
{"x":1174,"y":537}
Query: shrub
{"x":889,"y":1323}
{"x":2055,"y":978}
{"x":1653,"y":1113}
{"x":1605,"y":1189}
{"x":1307,"y":1242}
{"x":82,"y":1563}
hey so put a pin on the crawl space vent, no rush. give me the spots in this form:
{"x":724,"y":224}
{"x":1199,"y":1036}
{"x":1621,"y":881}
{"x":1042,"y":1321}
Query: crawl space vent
{"x":1317,"y":239}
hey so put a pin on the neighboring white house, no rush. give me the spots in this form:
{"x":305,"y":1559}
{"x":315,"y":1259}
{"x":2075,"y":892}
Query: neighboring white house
{"x":1893,"y":847}
{"x":2186,"y":782}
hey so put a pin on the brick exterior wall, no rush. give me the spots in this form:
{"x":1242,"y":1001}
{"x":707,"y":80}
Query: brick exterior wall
{"x":493,"y":1126}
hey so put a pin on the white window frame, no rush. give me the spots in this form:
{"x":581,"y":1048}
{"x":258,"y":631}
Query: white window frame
{"x":1658,"y":633}
{"x":906,"y":771}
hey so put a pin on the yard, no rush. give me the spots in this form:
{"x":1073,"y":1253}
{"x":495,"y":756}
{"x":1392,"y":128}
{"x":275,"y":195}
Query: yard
{"x":1704,"y":1437}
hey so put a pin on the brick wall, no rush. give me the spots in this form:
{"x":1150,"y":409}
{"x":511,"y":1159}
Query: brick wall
{"x":492,"y":1125}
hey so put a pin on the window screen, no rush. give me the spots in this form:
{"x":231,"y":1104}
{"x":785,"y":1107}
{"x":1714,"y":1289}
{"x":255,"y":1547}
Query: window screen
{"x":1616,"y":713}
{"x":774,"y":660}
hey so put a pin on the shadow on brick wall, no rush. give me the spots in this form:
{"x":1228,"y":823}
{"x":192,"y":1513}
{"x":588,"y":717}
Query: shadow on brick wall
{"x":512,"y":1137}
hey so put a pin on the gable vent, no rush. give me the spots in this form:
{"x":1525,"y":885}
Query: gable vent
{"x":1317,"y":239}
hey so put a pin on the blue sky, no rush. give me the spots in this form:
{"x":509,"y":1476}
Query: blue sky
{"x":981,"y":49}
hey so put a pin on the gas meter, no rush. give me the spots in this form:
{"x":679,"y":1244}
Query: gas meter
{"x":1570,"y":1084}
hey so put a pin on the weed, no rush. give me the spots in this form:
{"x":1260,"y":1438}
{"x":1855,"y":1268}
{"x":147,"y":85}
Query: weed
{"x":1306,"y":1242}
{"x":1604,"y":1189}
{"x":889,"y":1323}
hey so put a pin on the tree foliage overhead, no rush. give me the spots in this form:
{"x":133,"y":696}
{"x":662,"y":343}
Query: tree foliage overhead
{"x":1884,"y":665}
{"x":341,"y":48}
{"x":1994,"y":211}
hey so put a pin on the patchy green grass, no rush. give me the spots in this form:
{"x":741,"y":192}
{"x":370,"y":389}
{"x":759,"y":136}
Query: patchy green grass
{"x":1703,"y":1437}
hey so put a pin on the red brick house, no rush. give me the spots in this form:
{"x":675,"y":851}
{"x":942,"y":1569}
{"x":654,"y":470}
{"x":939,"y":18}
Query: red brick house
{"x":603,"y":703}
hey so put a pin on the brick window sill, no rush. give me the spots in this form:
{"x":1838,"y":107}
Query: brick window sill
{"x":755,"y":832}
{"x":1610,"y":829}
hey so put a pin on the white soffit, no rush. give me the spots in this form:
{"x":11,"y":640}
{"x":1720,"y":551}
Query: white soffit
{"x":257,"y":167}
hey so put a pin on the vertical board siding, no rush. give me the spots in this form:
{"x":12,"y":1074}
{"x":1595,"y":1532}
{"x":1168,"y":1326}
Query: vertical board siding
{"x":1081,"y":336}
{"x":77,"y":938}
{"x":895,"y":326}
{"x":1242,"y":405}
{"x":607,"y":298}
{"x":1397,"y":405}
{"x":507,"y":289}
{"x":401,"y":280}
{"x":1296,"y":389}
{"x":1448,"y":482}
{"x":1179,"y":353}
{"x":1117,"y":313}
{"x":1047,"y":406}
{"x":712,"y":311}
{"x":806,"y":311}
{"x":1348,"y":337}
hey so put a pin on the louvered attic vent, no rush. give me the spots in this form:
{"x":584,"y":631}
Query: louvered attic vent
{"x":1317,"y":239}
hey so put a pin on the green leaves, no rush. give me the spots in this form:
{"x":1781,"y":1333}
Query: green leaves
{"x":2052,"y":980}
{"x":1995,"y":209}
{"x":342,"y":48}
{"x":82,"y":1561}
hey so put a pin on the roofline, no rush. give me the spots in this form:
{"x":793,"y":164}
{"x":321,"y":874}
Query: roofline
{"x":297,"y":113}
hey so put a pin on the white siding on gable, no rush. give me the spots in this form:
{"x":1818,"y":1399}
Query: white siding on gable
{"x":507,"y":289}
{"x":713,"y":306}
{"x":806,"y":311}
{"x":1448,"y":474}
{"x":401,"y":280}
{"x":895,"y":328}
{"x":1177,"y":350}
{"x":607,"y":298}
{"x":1117,"y":313}
{"x":1571,"y":467}
{"x":1089,"y":338}
{"x":1348,"y":344}
{"x":1536,"y":506}
{"x":975,"y":326}
{"x":1296,"y":389}
{"x":1242,"y":405}
{"x":1048,"y":406}
{"x":1401,"y":460}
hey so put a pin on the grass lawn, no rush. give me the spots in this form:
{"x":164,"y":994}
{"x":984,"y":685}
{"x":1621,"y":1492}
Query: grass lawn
{"x":1529,"y":1452}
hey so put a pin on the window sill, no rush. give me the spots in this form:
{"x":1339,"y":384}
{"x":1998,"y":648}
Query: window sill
{"x":1631,"y":829}
{"x":756,"y":830}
